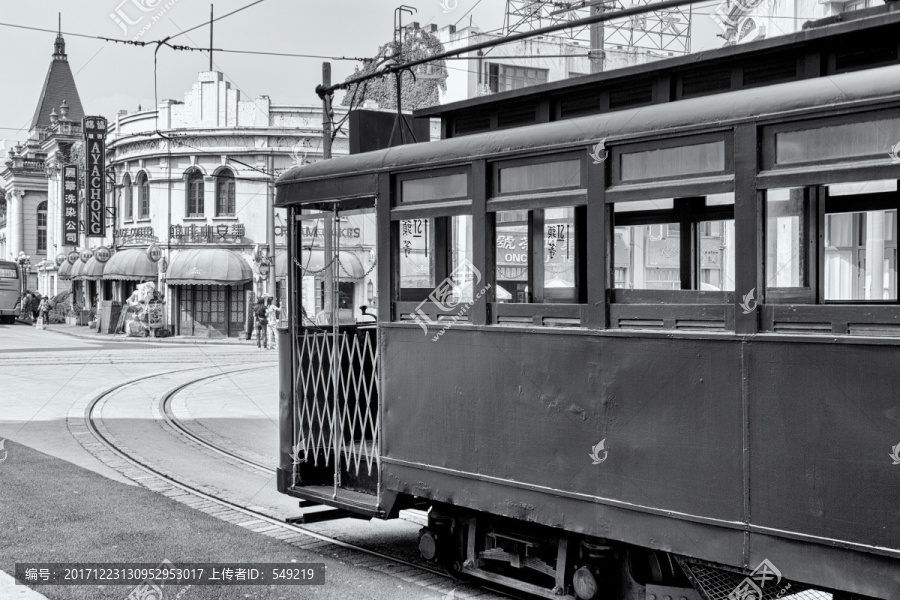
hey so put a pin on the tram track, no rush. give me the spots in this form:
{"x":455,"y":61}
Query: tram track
{"x":260,"y":522}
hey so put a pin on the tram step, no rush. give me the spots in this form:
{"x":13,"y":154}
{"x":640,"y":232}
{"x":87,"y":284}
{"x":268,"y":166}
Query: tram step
{"x":320,"y":516}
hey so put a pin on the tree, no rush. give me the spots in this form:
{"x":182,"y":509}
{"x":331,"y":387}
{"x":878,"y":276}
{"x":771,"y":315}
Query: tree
{"x":416,"y":91}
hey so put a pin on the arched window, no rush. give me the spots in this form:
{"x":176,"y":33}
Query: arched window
{"x":143,"y":196}
{"x":225,"y":194}
{"x":127,"y":206}
{"x":42,"y":227}
{"x":194,"y":194}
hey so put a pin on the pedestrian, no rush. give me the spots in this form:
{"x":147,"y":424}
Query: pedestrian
{"x":261,"y":324}
{"x":44,"y":310}
{"x":273,"y":311}
{"x":25,"y":307}
{"x":36,"y":306}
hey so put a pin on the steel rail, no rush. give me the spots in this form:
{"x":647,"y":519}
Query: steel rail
{"x":92,"y":426}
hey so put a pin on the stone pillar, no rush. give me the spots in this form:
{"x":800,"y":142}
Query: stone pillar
{"x":15,"y":223}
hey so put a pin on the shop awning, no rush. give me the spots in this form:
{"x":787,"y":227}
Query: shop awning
{"x":208,"y":266}
{"x":65,"y":270}
{"x":350,"y":266}
{"x":92,"y":270}
{"x":131,"y":264}
{"x":75,"y":273}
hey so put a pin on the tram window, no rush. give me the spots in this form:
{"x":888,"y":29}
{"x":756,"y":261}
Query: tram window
{"x":692,"y":159}
{"x":432,"y":250}
{"x":417,"y":268}
{"x":540,"y":176}
{"x":861,"y":256}
{"x":440,"y":187}
{"x":518,"y":278}
{"x":787,"y":260}
{"x":649,"y":241}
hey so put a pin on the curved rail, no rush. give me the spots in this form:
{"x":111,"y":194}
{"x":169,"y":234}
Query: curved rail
{"x":165,"y":403}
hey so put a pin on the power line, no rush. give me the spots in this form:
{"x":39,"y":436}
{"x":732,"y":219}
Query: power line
{"x":598,"y":18}
{"x":217,"y":19}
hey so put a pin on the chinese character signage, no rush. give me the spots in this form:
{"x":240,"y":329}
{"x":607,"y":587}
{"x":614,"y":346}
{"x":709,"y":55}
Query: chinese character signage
{"x":70,"y":205}
{"x":207,"y":234}
{"x":95,"y":164}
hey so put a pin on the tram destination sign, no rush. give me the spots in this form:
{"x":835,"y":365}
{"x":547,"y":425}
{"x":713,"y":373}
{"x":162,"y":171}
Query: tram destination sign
{"x":95,"y":165}
{"x":70,"y":205}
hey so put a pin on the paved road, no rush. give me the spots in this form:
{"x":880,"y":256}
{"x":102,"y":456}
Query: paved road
{"x":59,"y":503}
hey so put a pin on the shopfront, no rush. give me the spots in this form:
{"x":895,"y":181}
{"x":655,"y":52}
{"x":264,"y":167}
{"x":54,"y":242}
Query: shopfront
{"x":211,"y":291}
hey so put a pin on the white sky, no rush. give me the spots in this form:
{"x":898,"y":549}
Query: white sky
{"x":111,"y":76}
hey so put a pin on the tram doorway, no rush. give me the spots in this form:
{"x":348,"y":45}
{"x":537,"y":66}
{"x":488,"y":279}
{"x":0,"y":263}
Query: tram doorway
{"x":336,"y":374}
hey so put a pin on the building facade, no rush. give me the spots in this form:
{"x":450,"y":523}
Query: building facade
{"x":194,"y":193}
{"x":31,"y":181}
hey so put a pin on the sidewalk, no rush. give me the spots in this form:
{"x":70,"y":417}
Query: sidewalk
{"x":54,"y":511}
{"x":86,"y":333}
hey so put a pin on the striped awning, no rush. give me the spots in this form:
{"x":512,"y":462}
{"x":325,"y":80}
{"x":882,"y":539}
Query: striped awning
{"x":75,"y":273}
{"x":65,"y":270}
{"x":208,"y":266}
{"x":92,"y":270}
{"x":131,"y":264}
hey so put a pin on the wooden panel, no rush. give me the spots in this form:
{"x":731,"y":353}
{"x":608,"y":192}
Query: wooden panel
{"x":671,"y":297}
{"x":748,"y":227}
{"x":669,"y":316}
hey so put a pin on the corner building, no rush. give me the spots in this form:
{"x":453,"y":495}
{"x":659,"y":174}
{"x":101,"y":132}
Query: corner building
{"x":195,"y":178}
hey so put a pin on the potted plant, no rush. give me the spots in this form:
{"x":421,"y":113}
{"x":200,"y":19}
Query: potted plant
{"x":75,"y":314}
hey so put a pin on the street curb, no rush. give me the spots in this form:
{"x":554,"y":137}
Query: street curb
{"x":165,"y":340}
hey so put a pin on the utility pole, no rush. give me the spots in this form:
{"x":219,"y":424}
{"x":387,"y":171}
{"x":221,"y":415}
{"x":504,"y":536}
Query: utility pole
{"x":270,"y":233}
{"x":210,"y":37}
{"x":596,"y":53}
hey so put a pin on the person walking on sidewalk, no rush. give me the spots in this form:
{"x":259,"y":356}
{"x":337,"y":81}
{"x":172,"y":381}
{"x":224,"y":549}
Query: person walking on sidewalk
{"x":273,"y":311}
{"x":259,"y":312}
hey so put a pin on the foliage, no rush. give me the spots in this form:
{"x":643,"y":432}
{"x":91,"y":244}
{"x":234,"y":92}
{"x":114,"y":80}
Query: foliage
{"x":416,"y":92}
{"x":58,"y":313}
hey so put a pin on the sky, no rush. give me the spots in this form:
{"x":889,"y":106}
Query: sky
{"x":112,"y":77}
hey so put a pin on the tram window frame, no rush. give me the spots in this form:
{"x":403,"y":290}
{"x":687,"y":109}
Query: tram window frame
{"x":617,"y":151}
{"x":401,"y":178}
{"x":820,"y":205}
{"x":497,"y":167}
{"x":769,"y":146}
{"x":688,"y":213}
{"x":535,"y":219}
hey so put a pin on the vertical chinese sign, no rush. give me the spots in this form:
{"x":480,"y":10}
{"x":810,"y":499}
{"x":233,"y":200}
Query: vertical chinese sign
{"x":95,"y":184}
{"x":70,"y":205}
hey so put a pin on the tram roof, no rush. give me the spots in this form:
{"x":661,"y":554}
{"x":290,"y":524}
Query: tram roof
{"x":344,"y":173}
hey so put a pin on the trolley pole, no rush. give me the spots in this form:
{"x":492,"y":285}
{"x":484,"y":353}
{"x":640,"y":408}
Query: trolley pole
{"x":326,"y":110}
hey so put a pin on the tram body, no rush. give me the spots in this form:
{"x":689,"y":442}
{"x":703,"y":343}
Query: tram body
{"x":578,"y":424}
{"x":10,"y":291}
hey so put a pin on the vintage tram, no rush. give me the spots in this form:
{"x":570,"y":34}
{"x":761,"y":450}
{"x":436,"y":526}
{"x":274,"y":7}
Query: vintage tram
{"x":631,"y":335}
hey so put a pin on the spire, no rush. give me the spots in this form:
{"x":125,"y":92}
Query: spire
{"x":59,"y":48}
